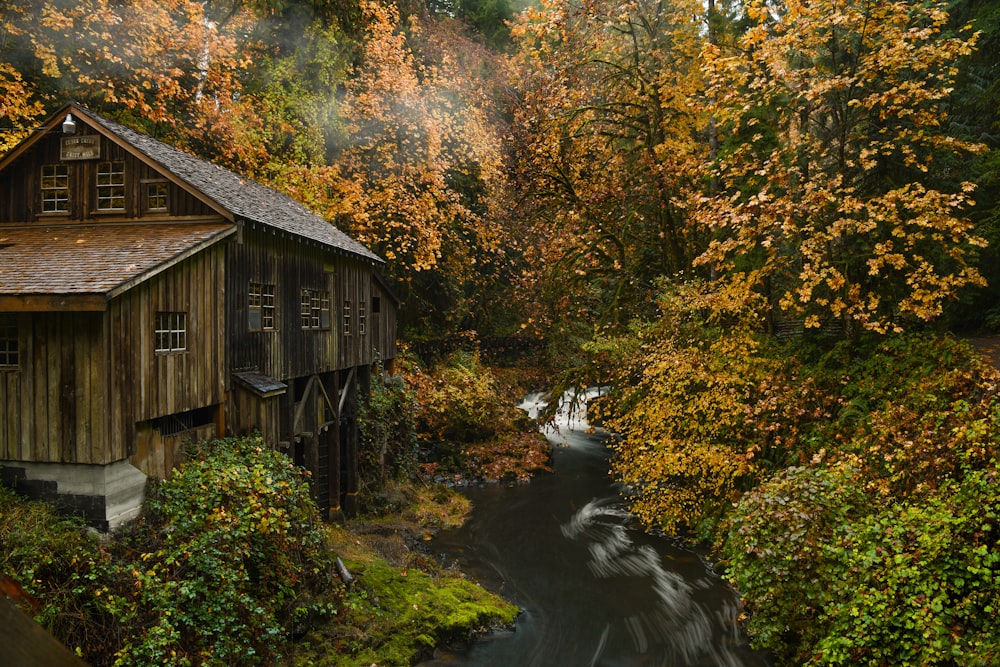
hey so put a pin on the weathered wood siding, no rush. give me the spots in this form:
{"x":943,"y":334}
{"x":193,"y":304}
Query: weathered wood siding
{"x":20,"y":186}
{"x":248,"y":412}
{"x":354,"y":290}
{"x":148,"y":385}
{"x":157,"y":454}
{"x":383,"y":322}
{"x":273,"y":258}
{"x":55,"y":406}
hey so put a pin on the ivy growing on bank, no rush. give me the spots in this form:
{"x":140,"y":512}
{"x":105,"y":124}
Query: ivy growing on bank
{"x":389,"y":449}
{"x":227,"y":562}
{"x":231,"y":558}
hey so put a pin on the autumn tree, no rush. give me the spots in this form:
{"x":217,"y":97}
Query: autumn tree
{"x":167,"y":67}
{"x":21,"y":105}
{"x":610,"y":138}
{"x":834,"y":193}
{"x":424,"y":168}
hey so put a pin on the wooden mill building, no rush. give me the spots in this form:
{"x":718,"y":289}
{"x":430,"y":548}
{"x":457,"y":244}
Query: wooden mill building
{"x":149,"y":299}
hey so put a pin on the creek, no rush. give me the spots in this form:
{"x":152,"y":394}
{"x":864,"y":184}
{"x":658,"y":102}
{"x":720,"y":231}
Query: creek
{"x":595,"y":589}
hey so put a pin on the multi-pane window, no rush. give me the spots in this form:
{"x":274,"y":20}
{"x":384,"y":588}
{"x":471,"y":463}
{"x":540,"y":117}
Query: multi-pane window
{"x":55,"y":188}
{"x":315,"y":309}
{"x":260,"y":304}
{"x":347,"y":318}
{"x":362,"y":318}
{"x":111,"y":186}
{"x":171,"y":332}
{"x":156,"y":196}
{"x":9,"y":352}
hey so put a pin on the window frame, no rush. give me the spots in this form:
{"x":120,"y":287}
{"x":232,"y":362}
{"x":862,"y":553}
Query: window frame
{"x":314,"y":309}
{"x":170,"y":332}
{"x":112,"y":191}
{"x":346,"y":317}
{"x":10,"y":343}
{"x":150,"y":195}
{"x":261,"y":300}
{"x":50,"y":193}
{"x":362,"y":318}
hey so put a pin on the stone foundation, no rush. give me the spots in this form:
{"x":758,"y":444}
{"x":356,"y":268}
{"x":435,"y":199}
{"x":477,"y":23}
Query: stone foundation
{"x":106,"y":496}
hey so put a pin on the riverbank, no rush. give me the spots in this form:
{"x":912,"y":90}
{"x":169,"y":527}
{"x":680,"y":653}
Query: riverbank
{"x":401,"y":603}
{"x":230,"y":565}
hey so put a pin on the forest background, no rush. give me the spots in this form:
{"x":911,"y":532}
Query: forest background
{"x":757,"y":220}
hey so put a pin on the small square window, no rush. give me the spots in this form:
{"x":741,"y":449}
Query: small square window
{"x":315,"y":309}
{"x":9,"y":351}
{"x":156,"y":196}
{"x":171,"y":333}
{"x":261,"y":308}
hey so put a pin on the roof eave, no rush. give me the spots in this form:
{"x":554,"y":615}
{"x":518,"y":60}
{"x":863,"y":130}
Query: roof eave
{"x":38,"y":303}
{"x":173,"y":261}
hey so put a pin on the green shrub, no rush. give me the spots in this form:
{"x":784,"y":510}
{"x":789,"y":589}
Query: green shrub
{"x":389,"y":449}
{"x":884,"y":548}
{"x":231,"y":558}
{"x":833,"y":576}
{"x":65,"y":568}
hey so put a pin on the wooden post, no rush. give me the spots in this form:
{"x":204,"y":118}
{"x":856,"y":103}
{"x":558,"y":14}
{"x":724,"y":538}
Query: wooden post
{"x":333,"y":443}
{"x":349,"y":422}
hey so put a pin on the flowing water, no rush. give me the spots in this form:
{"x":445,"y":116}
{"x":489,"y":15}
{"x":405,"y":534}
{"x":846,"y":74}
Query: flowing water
{"x":595,"y":589}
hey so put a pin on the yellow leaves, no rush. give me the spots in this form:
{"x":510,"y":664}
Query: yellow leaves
{"x":850,"y":91}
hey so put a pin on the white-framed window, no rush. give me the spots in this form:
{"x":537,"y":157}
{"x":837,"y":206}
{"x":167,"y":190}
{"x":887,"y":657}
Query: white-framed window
{"x":55,"y":188}
{"x":261,"y":307}
{"x":315,"y":309}
{"x":362,"y":318}
{"x":156,"y":196}
{"x":10,"y":354}
{"x":171,"y":332}
{"x":347,"y":317}
{"x":111,"y":186}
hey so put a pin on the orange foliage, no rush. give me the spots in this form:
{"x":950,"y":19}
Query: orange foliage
{"x":418,"y":138}
{"x":165,"y":65}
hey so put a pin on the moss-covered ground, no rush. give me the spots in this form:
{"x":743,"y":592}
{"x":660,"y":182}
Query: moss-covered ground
{"x":401,"y":603}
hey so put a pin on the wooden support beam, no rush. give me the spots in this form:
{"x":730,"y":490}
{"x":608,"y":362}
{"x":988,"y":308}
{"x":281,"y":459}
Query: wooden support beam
{"x":344,"y":390}
{"x":36,"y":303}
{"x":297,"y":419}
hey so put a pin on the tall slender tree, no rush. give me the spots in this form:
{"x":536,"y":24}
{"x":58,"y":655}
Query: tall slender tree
{"x":611,"y":134}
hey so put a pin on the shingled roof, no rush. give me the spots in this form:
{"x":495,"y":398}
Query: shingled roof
{"x":99,"y":260}
{"x":241,"y":197}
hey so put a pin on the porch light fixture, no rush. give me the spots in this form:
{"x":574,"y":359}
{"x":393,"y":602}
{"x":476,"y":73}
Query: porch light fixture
{"x":69,"y":125}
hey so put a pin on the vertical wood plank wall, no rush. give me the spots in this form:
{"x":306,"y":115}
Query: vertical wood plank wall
{"x":277,"y":259}
{"x":55,"y":408}
{"x":157,"y":454}
{"x":147,"y":385}
{"x":20,"y":194}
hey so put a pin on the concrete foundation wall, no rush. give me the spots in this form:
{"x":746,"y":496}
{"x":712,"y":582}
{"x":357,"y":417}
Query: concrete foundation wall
{"x":105,"y":495}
